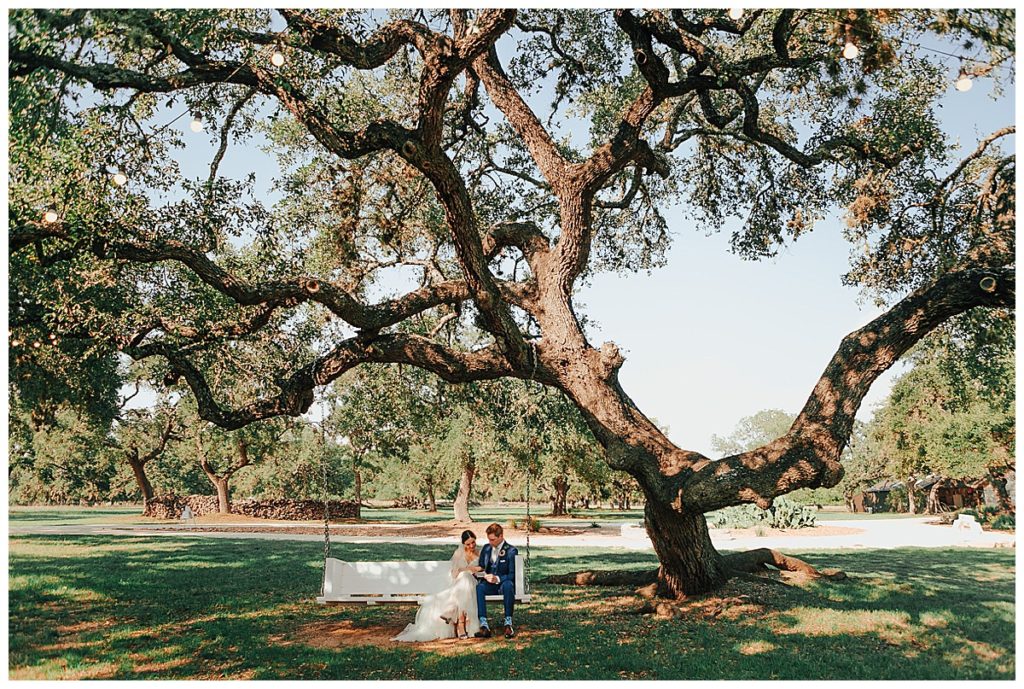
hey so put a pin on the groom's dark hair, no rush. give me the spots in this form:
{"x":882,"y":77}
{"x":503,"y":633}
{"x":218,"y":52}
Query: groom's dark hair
{"x":495,"y":529}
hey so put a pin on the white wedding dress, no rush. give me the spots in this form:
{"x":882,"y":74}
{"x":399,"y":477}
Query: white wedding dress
{"x":458,"y":598}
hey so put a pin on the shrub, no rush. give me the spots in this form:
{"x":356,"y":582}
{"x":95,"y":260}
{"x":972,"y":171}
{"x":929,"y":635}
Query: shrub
{"x":1004,"y":522}
{"x":986,"y":513}
{"x":736,"y":517}
{"x":531,"y":524}
{"x":784,"y":514}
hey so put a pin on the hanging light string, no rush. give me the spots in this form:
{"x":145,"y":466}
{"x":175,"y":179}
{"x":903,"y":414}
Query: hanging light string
{"x":851,"y":33}
{"x":52,"y":216}
{"x":276,"y":57}
{"x":851,"y":50}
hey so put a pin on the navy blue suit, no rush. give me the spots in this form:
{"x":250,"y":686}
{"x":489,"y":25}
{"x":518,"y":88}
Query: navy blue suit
{"x":505,"y":569}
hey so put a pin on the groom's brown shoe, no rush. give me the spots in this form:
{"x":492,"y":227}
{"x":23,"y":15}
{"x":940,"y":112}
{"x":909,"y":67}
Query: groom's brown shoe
{"x":484,"y":633}
{"x":509,"y":632}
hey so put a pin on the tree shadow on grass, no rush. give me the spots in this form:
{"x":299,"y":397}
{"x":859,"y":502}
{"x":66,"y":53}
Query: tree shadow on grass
{"x":146,"y":608}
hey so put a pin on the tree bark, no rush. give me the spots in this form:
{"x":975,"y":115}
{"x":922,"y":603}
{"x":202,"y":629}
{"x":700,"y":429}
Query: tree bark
{"x":558,"y":500}
{"x":358,"y":485}
{"x":462,"y":497}
{"x":689,"y":562}
{"x":934,"y":506}
{"x":759,"y":559}
{"x":431,"y":497}
{"x":911,"y":506}
{"x":1003,"y":499}
{"x":139,"y":469}
{"x":223,"y":496}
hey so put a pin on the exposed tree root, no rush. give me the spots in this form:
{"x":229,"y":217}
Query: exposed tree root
{"x":739,"y":564}
{"x":759,"y":560}
{"x":605,"y":578}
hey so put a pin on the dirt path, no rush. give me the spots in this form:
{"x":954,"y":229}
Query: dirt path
{"x":882,"y":533}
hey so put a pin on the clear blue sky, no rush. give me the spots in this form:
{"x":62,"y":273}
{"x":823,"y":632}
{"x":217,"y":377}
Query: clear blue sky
{"x":711,"y":338}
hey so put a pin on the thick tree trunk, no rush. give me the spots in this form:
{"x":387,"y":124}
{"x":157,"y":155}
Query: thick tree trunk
{"x":223,"y":496}
{"x":934,"y":506}
{"x":358,"y":486}
{"x":558,"y":500}
{"x":462,"y":497}
{"x":145,"y":487}
{"x":1003,"y":499}
{"x":911,"y":505}
{"x":431,"y":497}
{"x":689,"y":562}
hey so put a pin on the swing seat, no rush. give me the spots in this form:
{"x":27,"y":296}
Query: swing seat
{"x":396,"y":582}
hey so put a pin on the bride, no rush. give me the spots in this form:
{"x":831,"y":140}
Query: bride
{"x":451,"y":612}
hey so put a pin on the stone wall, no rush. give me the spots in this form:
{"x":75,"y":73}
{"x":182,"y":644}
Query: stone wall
{"x":171,"y":507}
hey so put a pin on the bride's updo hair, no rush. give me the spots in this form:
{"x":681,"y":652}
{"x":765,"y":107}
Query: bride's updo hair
{"x":467,"y":534}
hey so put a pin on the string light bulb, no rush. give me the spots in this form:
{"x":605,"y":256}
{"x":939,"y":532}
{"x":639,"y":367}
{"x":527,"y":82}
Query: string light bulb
{"x":963,"y":83}
{"x":277,"y":59}
{"x":50,"y":216}
{"x":37,"y":344}
{"x":850,"y":50}
{"x":119,"y":178}
{"x":196,"y":124}
{"x":736,"y":14}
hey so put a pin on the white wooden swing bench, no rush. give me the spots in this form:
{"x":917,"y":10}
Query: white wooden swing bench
{"x":397,"y":582}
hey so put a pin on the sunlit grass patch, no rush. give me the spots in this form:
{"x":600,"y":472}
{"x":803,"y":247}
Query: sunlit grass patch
{"x":826,"y":622}
{"x":751,"y":648}
{"x":938,"y":619}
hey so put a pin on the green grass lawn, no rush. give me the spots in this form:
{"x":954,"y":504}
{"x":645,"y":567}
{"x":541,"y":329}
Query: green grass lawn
{"x":73,"y":514}
{"x":179,"y":608}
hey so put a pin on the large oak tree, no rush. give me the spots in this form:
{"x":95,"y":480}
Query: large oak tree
{"x":422,"y":141}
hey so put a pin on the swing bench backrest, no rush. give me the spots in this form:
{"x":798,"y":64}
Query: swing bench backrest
{"x":396,"y":582}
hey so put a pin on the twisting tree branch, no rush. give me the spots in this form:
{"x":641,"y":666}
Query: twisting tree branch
{"x":296,"y":391}
{"x":808,"y":455}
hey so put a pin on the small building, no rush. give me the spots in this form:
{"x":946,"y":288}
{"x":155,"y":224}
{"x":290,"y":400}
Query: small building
{"x":946,"y":494}
{"x":875,"y":498}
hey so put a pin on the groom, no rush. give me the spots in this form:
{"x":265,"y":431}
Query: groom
{"x":498,"y":560}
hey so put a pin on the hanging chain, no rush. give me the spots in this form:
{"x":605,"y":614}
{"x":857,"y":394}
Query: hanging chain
{"x":327,"y":512}
{"x":529,"y":474}
{"x":529,"y":527}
